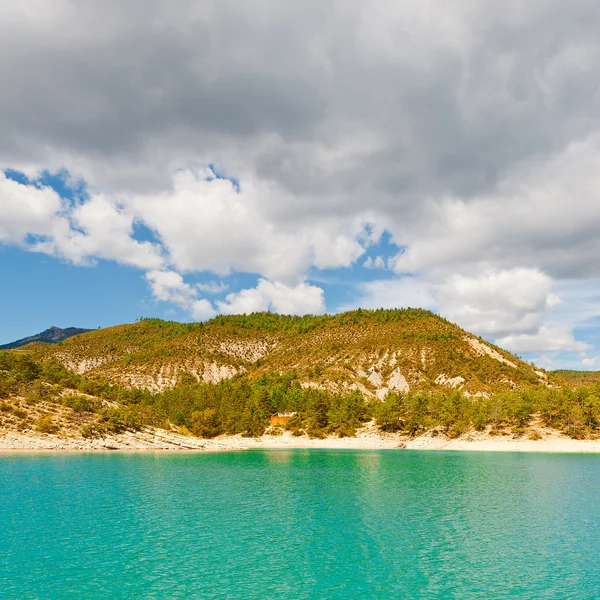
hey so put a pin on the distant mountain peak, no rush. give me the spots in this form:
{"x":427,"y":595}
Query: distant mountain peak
{"x":52,"y":335}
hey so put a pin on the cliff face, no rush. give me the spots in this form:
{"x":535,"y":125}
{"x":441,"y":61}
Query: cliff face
{"x":372,"y":351}
{"x":52,"y":335}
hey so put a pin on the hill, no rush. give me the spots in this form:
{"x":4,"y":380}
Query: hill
{"x":403,"y":372}
{"x":375,"y":352}
{"x":53,"y":335}
{"x":576,"y":378}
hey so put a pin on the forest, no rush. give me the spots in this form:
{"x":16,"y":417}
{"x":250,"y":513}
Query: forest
{"x":243,"y":406}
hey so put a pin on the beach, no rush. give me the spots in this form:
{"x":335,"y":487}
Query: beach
{"x":367,"y":438}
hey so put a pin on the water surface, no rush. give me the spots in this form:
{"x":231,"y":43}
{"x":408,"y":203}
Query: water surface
{"x":300,"y":524}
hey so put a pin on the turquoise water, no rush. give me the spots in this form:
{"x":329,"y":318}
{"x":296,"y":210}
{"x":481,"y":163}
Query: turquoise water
{"x":300,"y":524}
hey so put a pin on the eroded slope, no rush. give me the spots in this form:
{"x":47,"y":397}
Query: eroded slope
{"x":372,"y":351}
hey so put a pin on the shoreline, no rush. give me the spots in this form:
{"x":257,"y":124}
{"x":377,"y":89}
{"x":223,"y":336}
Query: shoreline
{"x":162,"y":441}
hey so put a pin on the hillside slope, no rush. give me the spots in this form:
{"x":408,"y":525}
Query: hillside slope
{"x":372,"y":351}
{"x":576,"y":378}
{"x":52,"y":335}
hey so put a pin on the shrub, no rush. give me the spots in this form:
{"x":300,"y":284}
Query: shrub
{"x":33,"y":397}
{"x":22,"y":425}
{"x":45,"y":424}
{"x":19,"y":413}
{"x":204,"y":423}
{"x":92,"y":430}
{"x":81,"y":404}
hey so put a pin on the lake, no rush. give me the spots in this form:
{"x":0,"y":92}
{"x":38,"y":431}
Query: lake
{"x":300,"y":524}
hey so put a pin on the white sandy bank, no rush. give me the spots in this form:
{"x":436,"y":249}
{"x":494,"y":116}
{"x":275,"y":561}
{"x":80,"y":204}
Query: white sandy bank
{"x":366,"y":439}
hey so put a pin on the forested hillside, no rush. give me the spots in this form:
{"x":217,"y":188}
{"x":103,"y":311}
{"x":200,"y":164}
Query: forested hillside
{"x":374,"y":352}
{"x":407,"y":371}
{"x":577,"y":378}
{"x":44,"y":397}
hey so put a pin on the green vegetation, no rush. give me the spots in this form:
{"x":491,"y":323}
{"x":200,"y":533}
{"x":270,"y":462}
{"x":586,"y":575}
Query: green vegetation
{"x":574,"y":411}
{"x":46,"y":424}
{"x":243,"y":405}
{"x":337,"y":350}
{"x":577,"y":378}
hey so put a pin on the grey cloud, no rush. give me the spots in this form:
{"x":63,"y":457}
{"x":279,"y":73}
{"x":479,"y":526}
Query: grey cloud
{"x":451,"y":97}
{"x":113,"y":82}
{"x":335,"y":108}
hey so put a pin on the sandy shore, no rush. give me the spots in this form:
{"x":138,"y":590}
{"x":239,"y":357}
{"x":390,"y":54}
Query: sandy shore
{"x":140,"y":441}
{"x":367,"y":439}
{"x":554,"y":444}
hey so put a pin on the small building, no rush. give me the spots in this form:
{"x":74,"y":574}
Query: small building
{"x":281,"y":419}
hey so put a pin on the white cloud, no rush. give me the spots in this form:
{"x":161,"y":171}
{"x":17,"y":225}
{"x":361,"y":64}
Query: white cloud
{"x":374,"y":263}
{"x":212,"y":287}
{"x":205,"y":223}
{"x":393,"y":293}
{"x":588,"y":361}
{"x":27,"y":210}
{"x":499,"y":302}
{"x":267,"y":295}
{"x":202,"y":310}
{"x":169,"y":286}
{"x":102,"y":229}
{"x":547,"y":339}
{"x":511,"y":307}
{"x":37,"y":218}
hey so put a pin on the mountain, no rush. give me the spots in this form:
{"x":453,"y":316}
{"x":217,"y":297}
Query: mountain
{"x":52,"y":335}
{"x":371,"y":351}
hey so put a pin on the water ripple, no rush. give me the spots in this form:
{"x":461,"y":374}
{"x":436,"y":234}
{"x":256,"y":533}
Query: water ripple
{"x":300,"y":524}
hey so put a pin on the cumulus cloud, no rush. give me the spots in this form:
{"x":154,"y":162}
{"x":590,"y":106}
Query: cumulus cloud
{"x":394,"y":293}
{"x":27,"y":211}
{"x":510,"y":307}
{"x":301,"y":299}
{"x":547,"y":339}
{"x":102,"y":229}
{"x":169,"y":286}
{"x":498,"y":303}
{"x":589,"y":361}
{"x":206,"y":223}
{"x":212,"y":287}
{"x":36,"y":217}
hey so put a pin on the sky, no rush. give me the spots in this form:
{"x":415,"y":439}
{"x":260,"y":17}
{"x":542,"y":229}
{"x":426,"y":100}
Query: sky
{"x":190,"y":159}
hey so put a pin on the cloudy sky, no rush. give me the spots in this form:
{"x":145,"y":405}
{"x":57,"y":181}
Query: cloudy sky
{"x":183,"y":159}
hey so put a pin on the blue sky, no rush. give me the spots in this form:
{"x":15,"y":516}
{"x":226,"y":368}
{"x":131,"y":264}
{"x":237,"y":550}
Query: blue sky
{"x":311,"y":158}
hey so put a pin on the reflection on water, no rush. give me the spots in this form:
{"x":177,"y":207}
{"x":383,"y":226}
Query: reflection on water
{"x":300,"y":524}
